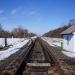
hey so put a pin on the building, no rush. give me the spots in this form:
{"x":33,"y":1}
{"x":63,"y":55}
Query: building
{"x":69,"y":39}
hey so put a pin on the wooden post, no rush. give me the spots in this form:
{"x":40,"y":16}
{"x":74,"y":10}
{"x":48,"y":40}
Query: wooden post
{"x":5,"y":41}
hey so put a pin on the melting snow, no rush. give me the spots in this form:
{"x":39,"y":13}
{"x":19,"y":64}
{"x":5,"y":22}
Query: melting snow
{"x":69,"y":54}
{"x":53,"y":41}
{"x":16,"y":45}
{"x":57,"y":42}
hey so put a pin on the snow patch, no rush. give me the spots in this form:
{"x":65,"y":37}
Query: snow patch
{"x":53,"y":41}
{"x":57,"y":42}
{"x":69,"y":54}
{"x":16,"y":47}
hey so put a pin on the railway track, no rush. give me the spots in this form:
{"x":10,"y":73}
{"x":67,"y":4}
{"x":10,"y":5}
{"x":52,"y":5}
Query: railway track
{"x":38,"y":59}
{"x":35,"y":62}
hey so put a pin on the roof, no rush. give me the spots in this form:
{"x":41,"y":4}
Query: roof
{"x":69,"y":30}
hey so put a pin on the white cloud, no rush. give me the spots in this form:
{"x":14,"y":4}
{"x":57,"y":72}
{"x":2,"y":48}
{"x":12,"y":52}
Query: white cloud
{"x":23,"y":12}
{"x":1,"y":11}
{"x":14,"y":11}
{"x":28,"y":13}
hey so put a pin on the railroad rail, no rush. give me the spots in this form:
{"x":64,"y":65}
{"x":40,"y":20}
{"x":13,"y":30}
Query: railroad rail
{"x":64,"y":63}
{"x":36,"y":62}
{"x":39,"y":58}
{"x":11,"y":64}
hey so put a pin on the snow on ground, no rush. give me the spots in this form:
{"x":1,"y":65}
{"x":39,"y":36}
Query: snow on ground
{"x":10,"y":41}
{"x":16,"y":45}
{"x":2,"y":42}
{"x":53,"y":41}
{"x":56,"y":42}
{"x":34,"y":37}
{"x":69,"y":54}
{"x":13,"y":40}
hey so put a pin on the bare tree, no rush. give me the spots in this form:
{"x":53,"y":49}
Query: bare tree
{"x":1,"y":28}
{"x":20,"y":32}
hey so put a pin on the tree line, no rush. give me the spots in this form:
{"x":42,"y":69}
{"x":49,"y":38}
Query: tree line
{"x":18,"y":32}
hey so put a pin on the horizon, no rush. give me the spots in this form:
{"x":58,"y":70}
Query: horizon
{"x":38,"y":16}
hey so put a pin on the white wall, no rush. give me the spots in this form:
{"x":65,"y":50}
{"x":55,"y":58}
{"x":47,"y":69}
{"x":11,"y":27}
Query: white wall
{"x":68,"y":44}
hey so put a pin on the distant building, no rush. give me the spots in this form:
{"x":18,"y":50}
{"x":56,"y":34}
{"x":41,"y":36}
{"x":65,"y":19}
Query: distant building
{"x":69,"y":39}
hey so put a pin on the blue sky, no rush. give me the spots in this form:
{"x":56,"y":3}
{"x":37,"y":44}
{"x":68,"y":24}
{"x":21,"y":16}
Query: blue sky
{"x":38,"y":16}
